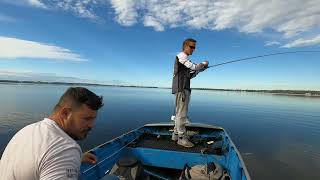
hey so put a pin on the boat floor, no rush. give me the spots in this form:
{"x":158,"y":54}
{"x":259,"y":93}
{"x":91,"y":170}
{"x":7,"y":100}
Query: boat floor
{"x":165,"y":173}
{"x":164,"y":142}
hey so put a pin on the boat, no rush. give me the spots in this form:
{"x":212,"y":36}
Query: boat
{"x":149,"y":153}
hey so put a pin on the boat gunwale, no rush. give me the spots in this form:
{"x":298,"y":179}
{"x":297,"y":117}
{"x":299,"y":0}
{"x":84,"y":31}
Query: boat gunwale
{"x":200,"y":125}
{"x":211,"y":127}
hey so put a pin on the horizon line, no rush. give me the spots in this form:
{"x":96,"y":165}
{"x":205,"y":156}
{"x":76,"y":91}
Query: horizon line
{"x":138,"y":86}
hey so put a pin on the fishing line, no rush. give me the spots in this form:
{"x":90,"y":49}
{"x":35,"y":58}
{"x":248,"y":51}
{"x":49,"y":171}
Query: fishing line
{"x":254,"y":57}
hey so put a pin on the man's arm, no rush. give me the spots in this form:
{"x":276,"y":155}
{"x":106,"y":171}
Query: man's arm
{"x":195,"y":73}
{"x":61,"y":165}
{"x":183,"y":59}
{"x":90,"y":158}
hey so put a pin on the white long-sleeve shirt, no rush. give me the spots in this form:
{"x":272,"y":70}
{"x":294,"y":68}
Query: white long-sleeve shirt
{"x":194,"y":68}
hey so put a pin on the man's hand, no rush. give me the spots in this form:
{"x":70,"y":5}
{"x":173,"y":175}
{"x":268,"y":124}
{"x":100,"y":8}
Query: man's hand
{"x":206,"y":64}
{"x":89,"y":158}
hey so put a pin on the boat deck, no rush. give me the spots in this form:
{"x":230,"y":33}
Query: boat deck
{"x":163,"y":158}
{"x":164,"y":142}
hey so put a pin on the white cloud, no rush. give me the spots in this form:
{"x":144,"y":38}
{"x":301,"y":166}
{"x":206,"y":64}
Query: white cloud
{"x":272,"y":43}
{"x":32,"y":3}
{"x":126,"y":12}
{"x":35,"y":3}
{"x":12,"y":48}
{"x":15,"y":73}
{"x":5,"y":18}
{"x":27,"y":75}
{"x":82,"y":8}
{"x":152,"y":22}
{"x":291,"y":18}
{"x":303,"y":42}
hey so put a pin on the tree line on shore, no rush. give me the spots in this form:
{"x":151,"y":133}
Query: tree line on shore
{"x":289,"y":92}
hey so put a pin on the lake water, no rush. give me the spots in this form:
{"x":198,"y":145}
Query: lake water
{"x":278,"y":136}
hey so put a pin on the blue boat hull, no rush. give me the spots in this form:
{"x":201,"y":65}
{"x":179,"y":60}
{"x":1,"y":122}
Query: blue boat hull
{"x":152,"y":146}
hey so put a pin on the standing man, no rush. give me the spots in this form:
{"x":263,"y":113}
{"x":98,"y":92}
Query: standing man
{"x":184,"y":70}
{"x":48,"y":149}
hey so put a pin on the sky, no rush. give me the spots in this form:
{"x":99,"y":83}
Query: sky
{"x":134,"y":42}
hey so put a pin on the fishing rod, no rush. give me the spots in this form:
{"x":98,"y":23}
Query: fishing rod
{"x":254,"y":57}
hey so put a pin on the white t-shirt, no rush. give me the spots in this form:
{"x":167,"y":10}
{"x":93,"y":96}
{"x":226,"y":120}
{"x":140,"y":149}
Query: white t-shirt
{"x":41,"y":151}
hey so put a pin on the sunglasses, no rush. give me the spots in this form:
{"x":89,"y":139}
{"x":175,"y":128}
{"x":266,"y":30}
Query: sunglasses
{"x":192,"y":47}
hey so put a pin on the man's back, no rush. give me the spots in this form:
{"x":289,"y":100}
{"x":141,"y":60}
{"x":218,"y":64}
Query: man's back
{"x":41,"y":151}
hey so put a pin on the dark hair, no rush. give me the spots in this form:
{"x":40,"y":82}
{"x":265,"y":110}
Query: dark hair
{"x":77,"y":96}
{"x":186,"y":41}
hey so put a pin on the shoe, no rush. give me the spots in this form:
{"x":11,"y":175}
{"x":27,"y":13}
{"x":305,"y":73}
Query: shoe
{"x":174,"y":137}
{"x":173,"y":118}
{"x":185,"y":142}
{"x":188,"y":120}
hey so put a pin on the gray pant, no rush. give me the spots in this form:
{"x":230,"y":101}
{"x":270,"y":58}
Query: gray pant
{"x":182,"y":103}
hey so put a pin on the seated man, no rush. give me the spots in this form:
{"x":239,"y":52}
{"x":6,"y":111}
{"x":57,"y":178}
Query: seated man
{"x":47,"y":149}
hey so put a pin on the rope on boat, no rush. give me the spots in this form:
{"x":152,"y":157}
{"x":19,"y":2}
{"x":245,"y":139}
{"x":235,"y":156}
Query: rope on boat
{"x":110,"y":155}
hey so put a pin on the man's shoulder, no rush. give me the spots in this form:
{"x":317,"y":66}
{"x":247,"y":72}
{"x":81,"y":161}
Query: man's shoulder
{"x":50,"y":135}
{"x":182,"y":55}
{"x":27,"y":130}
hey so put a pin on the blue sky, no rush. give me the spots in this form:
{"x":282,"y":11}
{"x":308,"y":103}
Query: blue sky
{"x":135,"y":42}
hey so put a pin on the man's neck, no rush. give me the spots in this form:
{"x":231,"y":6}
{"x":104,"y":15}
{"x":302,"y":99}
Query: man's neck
{"x":185,"y":53}
{"x":58,"y":120}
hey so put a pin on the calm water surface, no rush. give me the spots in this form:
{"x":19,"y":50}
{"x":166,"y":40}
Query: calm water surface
{"x":278,"y":136}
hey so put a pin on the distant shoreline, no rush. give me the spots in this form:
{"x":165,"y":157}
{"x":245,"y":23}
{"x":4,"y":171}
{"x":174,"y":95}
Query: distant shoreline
{"x":303,"y":93}
{"x":69,"y":83}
